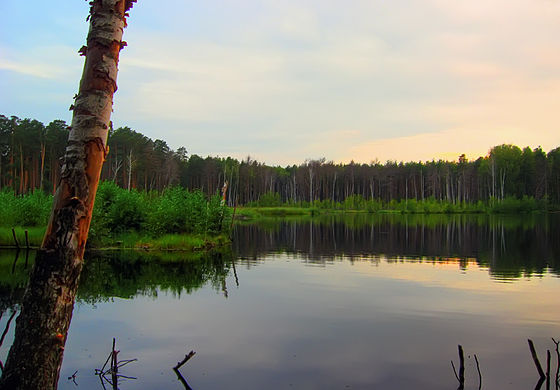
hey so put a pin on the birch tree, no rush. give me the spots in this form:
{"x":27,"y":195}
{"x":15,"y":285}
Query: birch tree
{"x":36,"y":355}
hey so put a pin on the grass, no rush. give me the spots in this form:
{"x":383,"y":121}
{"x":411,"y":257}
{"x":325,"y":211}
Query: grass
{"x":129,"y":240}
{"x":357,"y":204}
{"x":280,"y":211}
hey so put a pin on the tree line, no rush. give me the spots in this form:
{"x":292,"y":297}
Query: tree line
{"x":30,"y":155}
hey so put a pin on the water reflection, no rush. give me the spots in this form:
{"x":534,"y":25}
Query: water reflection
{"x":384,"y":306}
{"x":125,"y":274}
{"x":510,"y":247}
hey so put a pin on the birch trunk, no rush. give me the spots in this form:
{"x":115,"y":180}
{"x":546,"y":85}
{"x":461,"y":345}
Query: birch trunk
{"x":35,"y":357}
{"x":129,"y":168}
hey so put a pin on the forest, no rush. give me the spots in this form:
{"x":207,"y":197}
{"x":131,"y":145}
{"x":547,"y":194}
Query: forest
{"x":30,"y":158}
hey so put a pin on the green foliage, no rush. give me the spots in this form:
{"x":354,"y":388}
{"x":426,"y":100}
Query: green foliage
{"x":118,"y":211}
{"x":29,"y":210}
{"x":176,"y":210}
{"x":269,"y":199}
{"x":512,"y":205}
{"x":179,"y":211}
{"x":126,"y":212}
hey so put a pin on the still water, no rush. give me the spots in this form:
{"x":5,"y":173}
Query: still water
{"x":354,"y":303}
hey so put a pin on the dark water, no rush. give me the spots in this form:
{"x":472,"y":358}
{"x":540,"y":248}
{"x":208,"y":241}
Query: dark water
{"x":354,"y":303}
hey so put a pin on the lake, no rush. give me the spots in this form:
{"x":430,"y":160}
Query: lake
{"x":355,"y":302}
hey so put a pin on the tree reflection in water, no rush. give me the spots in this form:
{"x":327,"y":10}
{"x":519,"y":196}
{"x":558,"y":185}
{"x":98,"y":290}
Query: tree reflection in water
{"x":510,"y":247}
{"x":507,"y":247}
{"x":107,"y":275}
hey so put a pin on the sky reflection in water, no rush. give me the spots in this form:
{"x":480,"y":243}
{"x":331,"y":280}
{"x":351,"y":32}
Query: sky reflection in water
{"x":363,"y":324}
{"x":382,"y":304}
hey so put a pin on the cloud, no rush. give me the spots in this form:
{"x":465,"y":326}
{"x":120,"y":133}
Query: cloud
{"x":30,"y":69}
{"x":48,"y":62}
{"x":288,"y":80}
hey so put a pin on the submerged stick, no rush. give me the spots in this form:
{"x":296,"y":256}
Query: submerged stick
{"x":114,"y":367}
{"x":4,"y":333}
{"x":178,"y":373}
{"x":186,"y":359}
{"x":7,"y":327}
{"x":479,"y":373}
{"x":15,"y":237}
{"x":536,"y":359}
{"x":461,"y":367}
{"x":235,"y":272}
{"x":548,"y":369}
{"x":15,"y":261}
{"x":558,"y":364}
{"x":182,"y":379}
{"x":461,"y":376}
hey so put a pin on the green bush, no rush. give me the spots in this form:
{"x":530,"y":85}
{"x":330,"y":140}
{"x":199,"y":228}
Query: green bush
{"x":119,"y":211}
{"x":270,"y":199}
{"x":28,"y":210}
{"x":511,"y":205}
{"x":8,"y":210}
{"x":181,"y":211}
{"x":126,"y":212}
{"x":168,"y":214}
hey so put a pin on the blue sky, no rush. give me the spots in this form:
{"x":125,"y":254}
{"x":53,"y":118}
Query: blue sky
{"x":285,"y":81}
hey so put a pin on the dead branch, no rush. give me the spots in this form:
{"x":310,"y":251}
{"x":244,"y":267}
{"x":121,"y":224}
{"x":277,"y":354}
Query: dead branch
{"x":461,"y":376}
{"x":536,"y":359}
{"x":479,"y":373}
{"x":15,"y":238}
{"x":181,"y":379}
{"x":548,"y":369}
{"x":178,"y":373}
{"x":186,"y":359}
{"x":73,"y":377}
{"x":5,"y":332}
{"x":235,"y":272}
{"x":15,"y":262}
{"x":7,"y":327}
{"x":558,"y":364}
{"x":113,"y":370}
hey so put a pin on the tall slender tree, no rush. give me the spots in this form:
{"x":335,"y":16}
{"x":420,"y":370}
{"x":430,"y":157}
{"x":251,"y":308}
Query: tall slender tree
{"x":36,"y":355}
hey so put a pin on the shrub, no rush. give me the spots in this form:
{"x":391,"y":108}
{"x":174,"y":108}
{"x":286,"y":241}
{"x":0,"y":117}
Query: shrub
{"x":270,"y":199}
{"x":126,"y":212}
{"x":168,"y":214}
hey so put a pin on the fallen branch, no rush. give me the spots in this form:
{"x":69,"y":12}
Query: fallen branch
{"x":186,"y":359}
{"x":461,"y":376}
{"x":178,"y":373}
{"x":15,"y":238}
{"x":15,"y":261}
{"x":547,"y":369}
{"x":73,"y":377}
{"x":479,"y":373}
{"x":536,"y":359}
{"x":7,"y":327}
{"x":113,"y":370}
{"x":4,"y":333}
{"x":558,"y":363}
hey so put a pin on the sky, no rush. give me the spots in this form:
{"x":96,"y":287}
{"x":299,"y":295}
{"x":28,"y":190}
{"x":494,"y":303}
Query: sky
{"x":284,"y":81}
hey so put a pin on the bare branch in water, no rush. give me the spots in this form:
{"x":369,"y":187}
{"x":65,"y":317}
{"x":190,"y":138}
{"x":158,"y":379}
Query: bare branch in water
{"x":178,"y":373}
{"x":113,"y":370}
{"x":479,"y":374}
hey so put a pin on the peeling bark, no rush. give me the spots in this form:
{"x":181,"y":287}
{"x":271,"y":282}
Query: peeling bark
{"x":36,"y":355}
